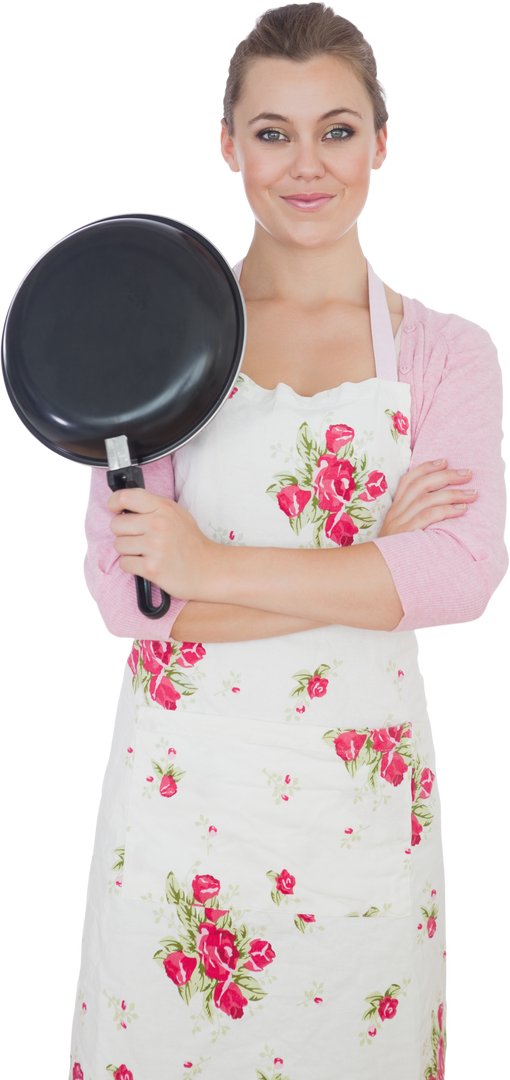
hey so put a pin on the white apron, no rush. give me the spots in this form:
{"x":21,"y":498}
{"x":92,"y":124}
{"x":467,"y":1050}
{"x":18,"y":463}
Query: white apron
{"x":266,"y":898}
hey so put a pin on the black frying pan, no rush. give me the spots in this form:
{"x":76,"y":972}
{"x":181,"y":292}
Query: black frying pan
{"x":121,"y":344}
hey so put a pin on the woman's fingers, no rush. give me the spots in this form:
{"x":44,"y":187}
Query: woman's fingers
{"x":439,"y":499}
{"x":430,"y":516}
{"x":420,"y":484}
{"x":137,"y":500}
{"x":427,"y":494}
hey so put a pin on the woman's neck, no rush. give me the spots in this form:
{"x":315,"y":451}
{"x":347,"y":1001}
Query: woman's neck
{"x":308,"y":277}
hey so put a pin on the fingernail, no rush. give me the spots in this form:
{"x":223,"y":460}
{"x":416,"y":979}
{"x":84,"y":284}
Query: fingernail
{"x":460,"y":506}
{"x":439,"y":461}
{"x":470,"y":491}
{"x":463,"y":472}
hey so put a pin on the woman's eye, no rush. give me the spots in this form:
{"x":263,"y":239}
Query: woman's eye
{"x":271,"y":135}
{"x":345,"y":133}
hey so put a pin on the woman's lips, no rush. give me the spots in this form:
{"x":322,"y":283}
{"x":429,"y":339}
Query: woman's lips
{"x":313,"y":200}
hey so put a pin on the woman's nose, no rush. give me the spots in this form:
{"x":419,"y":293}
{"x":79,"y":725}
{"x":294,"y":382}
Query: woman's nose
{"x":307,"y":163}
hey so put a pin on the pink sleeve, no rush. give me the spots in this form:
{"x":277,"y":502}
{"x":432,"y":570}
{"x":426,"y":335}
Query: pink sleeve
{"x":112,"y":589}
{"x":447,"y":572}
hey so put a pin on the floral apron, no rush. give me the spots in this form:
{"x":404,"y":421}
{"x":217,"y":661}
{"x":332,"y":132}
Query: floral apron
{"x":266,"y":899}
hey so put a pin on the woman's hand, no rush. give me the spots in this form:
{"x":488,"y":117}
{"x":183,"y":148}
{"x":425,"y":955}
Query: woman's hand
{"x":162,"y":542}
{"x":423,"y":498}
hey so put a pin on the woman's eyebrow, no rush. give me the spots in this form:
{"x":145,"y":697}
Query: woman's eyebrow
{"x":285,"y":119}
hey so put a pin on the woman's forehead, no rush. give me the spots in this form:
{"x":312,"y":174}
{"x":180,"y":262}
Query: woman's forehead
{"x":271,"y":83}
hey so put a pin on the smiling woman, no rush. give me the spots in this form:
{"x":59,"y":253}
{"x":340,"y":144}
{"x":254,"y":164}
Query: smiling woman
{"x":272,"y":748}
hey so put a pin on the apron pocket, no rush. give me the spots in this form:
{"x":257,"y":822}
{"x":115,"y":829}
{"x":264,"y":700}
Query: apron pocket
{"x":253,"y":815}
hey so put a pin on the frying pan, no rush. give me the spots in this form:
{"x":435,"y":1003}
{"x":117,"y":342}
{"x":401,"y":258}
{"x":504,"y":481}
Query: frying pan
{"x":121,"y":344}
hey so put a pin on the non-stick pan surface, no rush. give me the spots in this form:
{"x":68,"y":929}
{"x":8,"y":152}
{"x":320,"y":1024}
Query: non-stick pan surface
{"x":133,"y":325}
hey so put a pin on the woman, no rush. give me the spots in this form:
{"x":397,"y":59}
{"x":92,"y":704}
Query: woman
{"x":268,"y":860}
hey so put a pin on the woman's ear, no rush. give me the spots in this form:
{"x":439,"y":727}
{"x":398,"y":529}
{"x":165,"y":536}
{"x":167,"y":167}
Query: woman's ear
{"x":228,"y":148}
{"x":380,"y":147}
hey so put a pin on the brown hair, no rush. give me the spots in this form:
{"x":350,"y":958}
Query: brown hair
{"x":301,"y":32}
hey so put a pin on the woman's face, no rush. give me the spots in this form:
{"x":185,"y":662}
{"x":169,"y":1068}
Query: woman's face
{"x":304,"y":129}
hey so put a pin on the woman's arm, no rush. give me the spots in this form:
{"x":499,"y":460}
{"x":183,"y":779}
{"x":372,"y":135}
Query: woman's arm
{"x":210,"y":623}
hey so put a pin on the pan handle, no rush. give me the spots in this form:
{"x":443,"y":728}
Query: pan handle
{"x":131,"y":476}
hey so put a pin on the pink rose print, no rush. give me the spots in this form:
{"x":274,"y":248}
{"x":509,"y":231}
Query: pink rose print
{"x":386,"y":738}
{"x":427,"y":779}
{"x":420,"y":926}
{"x":228,"y":997}
{"x":285,"y":882}
{"x":348,"y":831}
{"x":400,"y":674}
{"x":318,"y":1000}
{"x":440,"y":1059}
{"x":431,"y":926}
{"x":307,"y":918}
{"x":387,"y":1008}
{"x":123,"y":1073}
{"x":433,"y":892}
{"x":83,"y":1007}
{"x":133,"y":659}
{"x":123,"y":1006}
{"x":292,"y":500}
{"x":231,"y":535}
{"x":372,"y":1032}
{"x":334,"y":483}
{"x":215,"y":913}
{"x":236,"y":689}
{"x":284,"y":797}
{"x":278,"y":1061}
{"x":130,"y":749}
{"x":212,"y":828}
{"x":218,"y":950}
{"x":172,"y":750}
{"x":400,"y":423}
{"x":375,"y":486}
{"x":163,"y":692}
{"x":179,"y":967}
{"x":417,"y":829}
{"x":261,"y":954}
{"x":341,"y":529}
{"x":77,"y":1071}
{"x":191,"y":653}
{"x":149,"y":779}
{"x":317,"y":687}
{"x":204,"y":887}
{"x":348,"y":744}
{"x":300,"y":708}
{"x":338,"y":435}
{"x":155,"y":655}
{"x":167,"y":787}
{"x":393,"y":767}
{"x":440,"y":1016}
{"x":287,"y":779}
{"x":413,"y":787}
{"x":232,"y":392}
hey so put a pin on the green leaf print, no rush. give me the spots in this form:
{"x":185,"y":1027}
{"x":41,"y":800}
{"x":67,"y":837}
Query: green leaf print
{"x":361,"y":514}
{"x":173,"y":892}
{"x":253,"y":990}
{"x":423,"y":813}
{"x":306,"y":445}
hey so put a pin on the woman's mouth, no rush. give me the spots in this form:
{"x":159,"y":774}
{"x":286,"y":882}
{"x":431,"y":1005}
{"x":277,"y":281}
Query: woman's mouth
{"x":313,"y":200}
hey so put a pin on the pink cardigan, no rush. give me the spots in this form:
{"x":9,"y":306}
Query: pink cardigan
{"x":443,"y":574}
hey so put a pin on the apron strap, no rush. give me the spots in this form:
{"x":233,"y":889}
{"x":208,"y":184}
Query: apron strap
{"x":382,"y":330}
